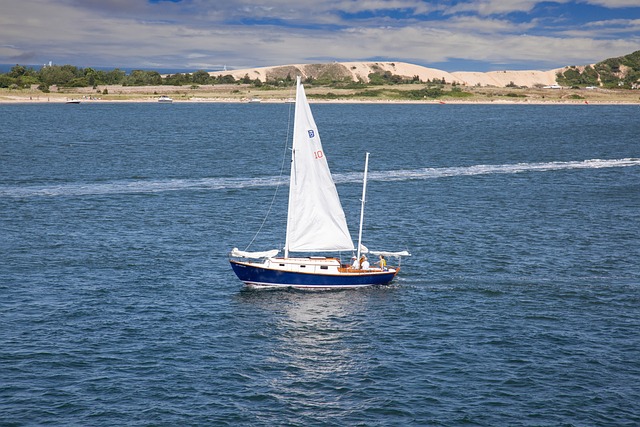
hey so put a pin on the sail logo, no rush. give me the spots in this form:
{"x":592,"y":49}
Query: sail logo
{"x":311,"y":133}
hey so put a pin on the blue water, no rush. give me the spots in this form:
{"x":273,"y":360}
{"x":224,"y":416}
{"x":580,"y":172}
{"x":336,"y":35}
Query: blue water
{"x":520,"y":305}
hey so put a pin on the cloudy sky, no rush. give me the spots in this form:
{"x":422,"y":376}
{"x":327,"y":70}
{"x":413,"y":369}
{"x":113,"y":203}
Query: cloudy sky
{"x":454,"y":35}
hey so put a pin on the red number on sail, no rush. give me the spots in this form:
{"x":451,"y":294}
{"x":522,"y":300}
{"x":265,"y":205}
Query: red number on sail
{"x":318,"y":154}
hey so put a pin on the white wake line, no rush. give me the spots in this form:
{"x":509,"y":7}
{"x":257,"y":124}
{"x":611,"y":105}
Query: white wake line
{"x":157,"y":186}
{"x":430,"y":173}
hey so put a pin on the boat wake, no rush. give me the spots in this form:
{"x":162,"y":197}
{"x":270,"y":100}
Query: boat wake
{"x":143,"y":186}
{"x":427,"y":173}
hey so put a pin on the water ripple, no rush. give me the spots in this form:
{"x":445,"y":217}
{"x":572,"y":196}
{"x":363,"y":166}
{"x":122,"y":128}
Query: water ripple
{"x":142,"y":186}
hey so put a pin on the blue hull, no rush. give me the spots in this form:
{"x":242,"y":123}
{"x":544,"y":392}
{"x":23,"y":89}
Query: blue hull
{"x":253,"y":275}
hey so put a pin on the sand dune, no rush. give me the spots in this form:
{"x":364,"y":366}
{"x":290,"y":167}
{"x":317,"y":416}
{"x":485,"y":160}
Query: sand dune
{"x":503,"y":78}
{"x":361,"y":70}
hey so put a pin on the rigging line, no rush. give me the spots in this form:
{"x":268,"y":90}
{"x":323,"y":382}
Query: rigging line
{"x":284,"y":157}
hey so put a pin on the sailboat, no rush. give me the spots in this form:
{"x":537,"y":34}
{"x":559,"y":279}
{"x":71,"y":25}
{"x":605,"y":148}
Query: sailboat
{"x":316,"y":223}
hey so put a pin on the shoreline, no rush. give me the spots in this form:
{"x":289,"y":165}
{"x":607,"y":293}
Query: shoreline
{"x":235,"y":93}
{"x":58,"y":100}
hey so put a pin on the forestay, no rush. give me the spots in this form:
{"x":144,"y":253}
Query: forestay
{"x":316,"y":220}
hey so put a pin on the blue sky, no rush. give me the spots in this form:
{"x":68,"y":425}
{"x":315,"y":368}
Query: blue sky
{"x":457,"y":35}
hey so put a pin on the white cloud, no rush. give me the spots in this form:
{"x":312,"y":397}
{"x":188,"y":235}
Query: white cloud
{"x":201,"y":34}
{"x":628,"y":29}
{"x":476,"y":24}
{"x":418,"y":7}
{"x":437,"y":45}
{"x":493,"y":7}
{"x":613,"y":3}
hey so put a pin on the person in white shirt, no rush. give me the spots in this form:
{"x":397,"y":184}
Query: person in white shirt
{"x":365,"y":263}
{"x":354,"y":262}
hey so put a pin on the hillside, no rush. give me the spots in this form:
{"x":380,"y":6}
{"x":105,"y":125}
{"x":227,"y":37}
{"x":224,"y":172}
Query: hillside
{"x":360,"y":71}
{"x":609,"y":72}
{"x":623,"y":71}
{"x":615,"y":79}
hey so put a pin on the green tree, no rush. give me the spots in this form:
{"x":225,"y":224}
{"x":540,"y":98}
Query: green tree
{"x":387,"y":77}
{"x":607,"y":71}
{"x":27,"y":81}
{"x":632,"y":60}
{"x":113,"y":77}
{"x":569,"y":77}
{"x":91,"y":77}
{"x":57,"y":75}
{"x":427,"y":92}
{"x":376,"y":79}
{"x":77,"y":82}
{"x":143,"y":78}
{"x":589,"y":76}
{"x":17,"y":71}
{"x":177,"y":79}
{"x":201,"y":77}
{"x":6,"y":80}
{"x":226,"y":79}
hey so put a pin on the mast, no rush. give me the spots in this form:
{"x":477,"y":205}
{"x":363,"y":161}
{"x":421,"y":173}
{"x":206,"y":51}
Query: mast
{"x":293,"y":159}
{"x":364,"y":193}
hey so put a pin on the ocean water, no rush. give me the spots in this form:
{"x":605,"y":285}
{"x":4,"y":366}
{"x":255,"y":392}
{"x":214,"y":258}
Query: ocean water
{"x":520,"y":304}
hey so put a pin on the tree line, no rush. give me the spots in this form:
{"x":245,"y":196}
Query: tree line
{"x":68,"y":76}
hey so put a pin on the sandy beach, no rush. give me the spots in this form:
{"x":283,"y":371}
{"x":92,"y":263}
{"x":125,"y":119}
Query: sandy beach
{"x":246,"y":93}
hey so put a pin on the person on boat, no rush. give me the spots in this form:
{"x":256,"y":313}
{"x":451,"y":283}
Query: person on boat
{"x":383,"y":263}
{"x":354,"y":262}
{"x":364,"y":263}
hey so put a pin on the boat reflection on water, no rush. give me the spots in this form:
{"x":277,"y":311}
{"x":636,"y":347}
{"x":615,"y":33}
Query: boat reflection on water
{"x":315,"y":342}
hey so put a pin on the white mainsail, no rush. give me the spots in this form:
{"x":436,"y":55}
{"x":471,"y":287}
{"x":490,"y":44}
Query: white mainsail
{"x":316,"y":220}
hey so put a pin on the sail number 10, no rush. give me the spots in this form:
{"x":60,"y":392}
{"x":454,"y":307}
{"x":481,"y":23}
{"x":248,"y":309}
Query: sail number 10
{"x":318,"y":154}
